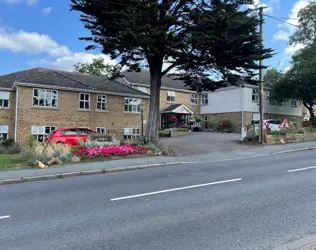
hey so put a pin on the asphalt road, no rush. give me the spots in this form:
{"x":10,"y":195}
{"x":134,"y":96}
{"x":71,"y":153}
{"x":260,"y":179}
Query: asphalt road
{"x":257,"y":203}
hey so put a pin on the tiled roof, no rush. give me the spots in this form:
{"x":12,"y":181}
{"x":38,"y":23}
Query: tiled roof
{"x":171,"y":107}
{"x":143,"y":77}
{"x":57,"y":78}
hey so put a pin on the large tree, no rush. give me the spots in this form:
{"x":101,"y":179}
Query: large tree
{"x":299,"y":82}
{"x":271,"y":77}
{"x":306,"y":30}
{"x":98,"y":67}
{"x":207,"y":42}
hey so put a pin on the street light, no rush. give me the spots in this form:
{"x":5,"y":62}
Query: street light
{"x":141,"y":108}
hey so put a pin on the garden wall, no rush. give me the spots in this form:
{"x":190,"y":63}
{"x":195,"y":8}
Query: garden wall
{"x":290,"y":138}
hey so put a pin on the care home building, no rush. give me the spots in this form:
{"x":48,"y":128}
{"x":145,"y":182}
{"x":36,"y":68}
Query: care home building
{"x":39,"y":100}
{"x":240,"y":105}
{"x":175,"y":97}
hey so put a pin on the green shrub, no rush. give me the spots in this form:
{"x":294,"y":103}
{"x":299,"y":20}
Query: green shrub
{"x":212,"y":125}
{"x":28,"y":156}
{"x":30,"y":142}
{"x":301,"y":131}
{"x":250,"y":135}
{"x":281,"y":132}
{"x":14,"y":149}
{"x":164,"y":133}
{"x":7,"y":143}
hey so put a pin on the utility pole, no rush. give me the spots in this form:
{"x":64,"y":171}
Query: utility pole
{"x":261,"y":93}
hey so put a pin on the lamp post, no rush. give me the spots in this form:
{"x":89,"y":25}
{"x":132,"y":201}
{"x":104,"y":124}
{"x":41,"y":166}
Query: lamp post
{"x":141,"y":108}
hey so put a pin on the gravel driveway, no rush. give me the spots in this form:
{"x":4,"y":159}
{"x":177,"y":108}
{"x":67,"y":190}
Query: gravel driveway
{"x":203,"y":143}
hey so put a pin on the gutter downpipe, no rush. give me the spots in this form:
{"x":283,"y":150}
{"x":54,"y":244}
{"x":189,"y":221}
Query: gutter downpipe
{"x":242,"y":114}
{"x":16,"y":114}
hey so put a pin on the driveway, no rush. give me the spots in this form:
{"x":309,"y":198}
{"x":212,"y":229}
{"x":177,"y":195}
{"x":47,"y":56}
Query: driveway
{"x":203,"y":143}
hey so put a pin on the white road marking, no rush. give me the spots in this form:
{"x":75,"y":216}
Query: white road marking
{"x":300,"y":169}
{"x":5,"y":217}
{"x":175,"y":189}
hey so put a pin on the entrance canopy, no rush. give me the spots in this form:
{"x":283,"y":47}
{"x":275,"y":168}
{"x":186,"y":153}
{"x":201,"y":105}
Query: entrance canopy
{"x":180,"y":111}
{"x":177,"y":109}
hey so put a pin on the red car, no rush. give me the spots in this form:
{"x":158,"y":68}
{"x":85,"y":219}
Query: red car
{"x":69,"y":136}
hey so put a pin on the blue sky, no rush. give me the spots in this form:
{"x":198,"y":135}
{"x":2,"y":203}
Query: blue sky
{"x":44,"y":33}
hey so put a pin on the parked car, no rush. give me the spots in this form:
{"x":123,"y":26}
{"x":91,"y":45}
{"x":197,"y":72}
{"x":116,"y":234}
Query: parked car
{"x":69,"y":136}
{"x":273,"y":125}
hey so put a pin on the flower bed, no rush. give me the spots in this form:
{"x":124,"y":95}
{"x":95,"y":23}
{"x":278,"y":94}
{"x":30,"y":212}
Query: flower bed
{"x":106,"y":151}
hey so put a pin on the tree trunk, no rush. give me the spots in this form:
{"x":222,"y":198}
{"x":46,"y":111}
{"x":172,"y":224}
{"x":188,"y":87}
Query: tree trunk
{"x":154,"y":112}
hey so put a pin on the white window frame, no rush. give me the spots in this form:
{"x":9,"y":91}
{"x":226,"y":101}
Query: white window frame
{"x":195,"y":99}
{"x":38,"y":98}
{"x":99,"y":130}
{"x":104,"y":100}
{"x":255,"y":95}
{"x":4,"y":130}
{"x":84,"y":101}
{"x":271,"y":117}
{"x":40,"y":131}
{"x":204,"y":99}
{"x":293,"y":122}
{"x":171,"y":96}
{"x":131,"y":133}
{"x":129,"y":107}
{"x":293,"y":103}
{"x":204,"y":118}
{"x":4,"y":99}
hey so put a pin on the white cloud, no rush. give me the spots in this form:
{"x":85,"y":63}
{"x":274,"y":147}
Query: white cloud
{"x":67,"y":62}
{"x":46,"y":11}
{"x":268,"y":5}
{"x":28,"y":2}
{"x":286,"y":69}
{"x":31,"y":43}
{"x":288,"y":28}
{"x":290,"y":50}
{"x":281,"y":35}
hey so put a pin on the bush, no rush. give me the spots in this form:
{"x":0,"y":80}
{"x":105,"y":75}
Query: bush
{"x":281,"y":132}
{"x":28,"y":156}
{"x":14,"y":149}
{"x":7,"y":143}
{"x":30,"y":142}
{"x":198,"y":129}
{"x":251,"y":135}
{"x":301,"y":131}
{"x":212,"y":125}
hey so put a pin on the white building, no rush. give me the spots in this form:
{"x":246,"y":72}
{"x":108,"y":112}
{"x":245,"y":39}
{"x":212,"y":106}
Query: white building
{"x":241,"y":105}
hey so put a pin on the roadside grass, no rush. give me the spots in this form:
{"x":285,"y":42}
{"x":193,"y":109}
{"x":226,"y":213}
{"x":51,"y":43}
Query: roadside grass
{"x":10,"y":162}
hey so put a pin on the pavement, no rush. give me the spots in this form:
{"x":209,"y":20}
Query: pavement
{"x":148,"y":162}
{"x":265,"y":202}
{"x":197,"y":143}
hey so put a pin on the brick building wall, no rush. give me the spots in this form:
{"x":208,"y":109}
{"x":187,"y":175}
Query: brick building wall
{"x":7,"y":115}
{"x":68,"y":114}
{"x":234,"y":117}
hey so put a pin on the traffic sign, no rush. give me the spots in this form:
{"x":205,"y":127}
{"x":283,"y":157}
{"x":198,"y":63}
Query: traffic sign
{"x":285,"y":123}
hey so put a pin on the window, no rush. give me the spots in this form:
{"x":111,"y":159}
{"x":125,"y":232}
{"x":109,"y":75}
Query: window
{"x":204,"y":99}
{"x":131,"y":105}
{"x":271,"y":117}
{"x":102,"y":101}
{"x":69,"y":132}
{"x":255,"y":95}
{"x":293,"y":122}
{"x":39,"y":132}
{"x":4,"y":99}
{"x":278,"y":118}
{"x":195,"y":99}
{"x":171,"y":96}
{"x":45,"y":98}
{"x":204,"y":118}
{"x":4,"y":131}
{"x":84,"y":101}
{"x":131,"y":133}
{"x":101,"y":130}
{"x":293,"y":103}
{"x":267,"y":96}
{"x":84,"y":131}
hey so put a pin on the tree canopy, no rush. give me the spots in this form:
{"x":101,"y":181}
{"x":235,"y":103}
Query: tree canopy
{"x":205,"y":42}
{"x":299,"y":82}
{"x":271,"y":77}
{"x":98,"y":67}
